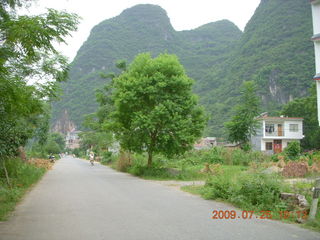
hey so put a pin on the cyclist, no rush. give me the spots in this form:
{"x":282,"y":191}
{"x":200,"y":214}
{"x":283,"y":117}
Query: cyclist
{"x":91,"y":158}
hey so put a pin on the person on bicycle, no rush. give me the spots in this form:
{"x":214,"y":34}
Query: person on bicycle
{"x":51,"y":158}
{"x":91,"y":157}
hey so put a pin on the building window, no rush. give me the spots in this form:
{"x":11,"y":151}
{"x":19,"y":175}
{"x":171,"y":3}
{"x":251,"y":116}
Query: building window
{"x":268,"y":145}
{"x":293,"y":127}
{"x":269,"y":128}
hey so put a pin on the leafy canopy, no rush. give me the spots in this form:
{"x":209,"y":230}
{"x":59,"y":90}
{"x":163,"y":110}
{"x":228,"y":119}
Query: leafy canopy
{"x":307,"y":109}
{"x":243,"y":123}
{"x":26,"y":51}
{"x":155,"y":109}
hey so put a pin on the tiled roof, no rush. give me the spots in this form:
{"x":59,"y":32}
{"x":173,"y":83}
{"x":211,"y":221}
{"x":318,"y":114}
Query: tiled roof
{"x":279,"y":118}
{"x":317,"y":77}
{"x":316,"y":37}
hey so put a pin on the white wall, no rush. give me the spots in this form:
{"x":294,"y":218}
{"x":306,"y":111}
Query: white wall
{"x":293,"y":135}
{"x":318,"y":100}
{"x":316,"y":18}
{"x":316,"y":30}
{"x":317,"y":55}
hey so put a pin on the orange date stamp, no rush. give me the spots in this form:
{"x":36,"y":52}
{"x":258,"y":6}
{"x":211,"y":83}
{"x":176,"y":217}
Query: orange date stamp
{"x":232,"y":214}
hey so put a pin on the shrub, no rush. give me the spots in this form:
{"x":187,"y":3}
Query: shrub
{"x":251,"y":191}
{"x":219,"y":187}
{"x":240,"y":158}
{"x":106,"y":157}
{"x":293,"y":150}
{"x":259,"y":190}
{"x":124,"y":161}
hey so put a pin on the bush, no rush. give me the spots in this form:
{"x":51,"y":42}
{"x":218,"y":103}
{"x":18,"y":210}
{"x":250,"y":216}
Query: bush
{"x":250,"y":191}
{"x":124,"y":161}
{"x":293,"y":150}
{"x":220,"y":187}
{"x":261,"y":191}
{"x":106,"y":157}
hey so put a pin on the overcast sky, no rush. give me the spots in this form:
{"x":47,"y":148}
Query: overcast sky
{"x":183,"y":14}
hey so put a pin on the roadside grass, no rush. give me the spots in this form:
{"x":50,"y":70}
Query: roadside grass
{"x":221,"y":189}
{"x":184,"y":168}
{"x":22,"y":176}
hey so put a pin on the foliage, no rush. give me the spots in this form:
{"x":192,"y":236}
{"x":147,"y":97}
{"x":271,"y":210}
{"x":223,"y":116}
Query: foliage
{"x":55,"y":144}
{"x":155,"y":110}
{"x":293,"y":150}
{"x":307,"y":108}
{"x":248,"y":191}
{"x":22,"y":176}
{"x":244,"y":124}
{"x":27,"y":52}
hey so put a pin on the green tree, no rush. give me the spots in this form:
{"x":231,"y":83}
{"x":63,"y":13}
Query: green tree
{"x":59,"y":139}
{"x":243,"y":124}
{"x":306,"y":108}
{"x":155,"y":110}
{"x":26,"y":51}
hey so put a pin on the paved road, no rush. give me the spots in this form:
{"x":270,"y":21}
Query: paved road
{"x":75,"y":201}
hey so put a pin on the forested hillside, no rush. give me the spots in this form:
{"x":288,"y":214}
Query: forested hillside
{"x":274,"y":50}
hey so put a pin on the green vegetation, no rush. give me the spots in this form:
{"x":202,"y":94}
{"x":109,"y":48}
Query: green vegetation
{"x":155,"y":110}
{"x":22,"y":108}
{"x":243,"y":124}
{"x":307,"y":108}
{"x":22,"y":176}
{"x":191,"y":165}
{"x":54,"y":144}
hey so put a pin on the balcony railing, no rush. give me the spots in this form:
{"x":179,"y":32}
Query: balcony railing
{"x":277,"y":133}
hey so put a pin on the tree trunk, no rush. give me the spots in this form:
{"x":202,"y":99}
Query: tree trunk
{"x":22,"y":154}
{"x":149,"y":159}
{"x":6,"y":173}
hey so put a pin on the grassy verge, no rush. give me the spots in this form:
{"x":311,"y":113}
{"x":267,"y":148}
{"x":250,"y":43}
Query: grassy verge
{"x":22,"y":177}
{"x":259,"y":194}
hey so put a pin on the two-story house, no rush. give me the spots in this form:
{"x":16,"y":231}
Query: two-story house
{"x":274,"y":133}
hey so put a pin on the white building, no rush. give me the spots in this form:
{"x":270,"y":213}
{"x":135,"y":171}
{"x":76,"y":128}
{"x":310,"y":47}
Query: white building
{"x":72,"y":139}
{"x":274,"y":133}
{"x":316,"y":39}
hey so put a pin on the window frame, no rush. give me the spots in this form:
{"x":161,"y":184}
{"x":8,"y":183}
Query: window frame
{"x":268,"y":144}
{"x":293,"y":129}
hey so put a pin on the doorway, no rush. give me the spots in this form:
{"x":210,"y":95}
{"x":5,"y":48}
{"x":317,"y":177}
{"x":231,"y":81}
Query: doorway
{"x":277,"y":146}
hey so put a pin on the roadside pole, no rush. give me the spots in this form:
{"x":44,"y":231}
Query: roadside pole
{"x":315,"y":199}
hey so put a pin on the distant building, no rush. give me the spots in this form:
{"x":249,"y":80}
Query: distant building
{"x":205,"y":143}
{"x":274,"y":133}
{"x":72,"y":139}
{"x":316,"y":39}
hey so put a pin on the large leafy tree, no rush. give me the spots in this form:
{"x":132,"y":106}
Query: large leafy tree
{"x":307,"y":108}
{"x":27,"y":52}
{"x":155,"y":109}
{"x":243,"y":123}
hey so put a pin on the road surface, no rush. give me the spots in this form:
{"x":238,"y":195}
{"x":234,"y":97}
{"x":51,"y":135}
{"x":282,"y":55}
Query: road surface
{"x":76,"y":201}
